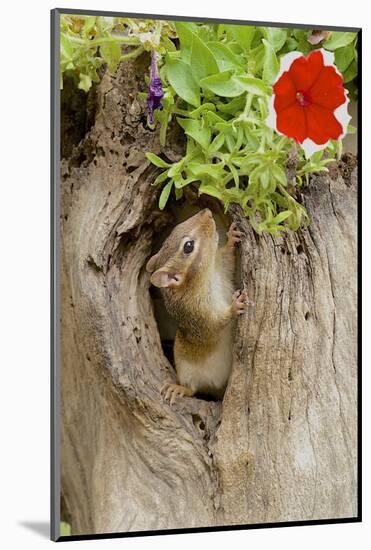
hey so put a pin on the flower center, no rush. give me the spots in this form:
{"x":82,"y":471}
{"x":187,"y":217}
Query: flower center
{"x":303,"y":98}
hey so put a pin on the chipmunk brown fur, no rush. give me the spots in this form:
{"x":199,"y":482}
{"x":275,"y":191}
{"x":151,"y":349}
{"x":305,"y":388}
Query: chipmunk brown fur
{"x":196,"y":280}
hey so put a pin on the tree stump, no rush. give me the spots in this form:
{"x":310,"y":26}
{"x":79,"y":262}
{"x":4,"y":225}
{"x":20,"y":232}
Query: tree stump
{"x":282,"y":444}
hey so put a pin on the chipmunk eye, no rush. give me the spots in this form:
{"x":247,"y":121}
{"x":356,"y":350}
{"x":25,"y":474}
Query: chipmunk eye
{"x":188,"y":247}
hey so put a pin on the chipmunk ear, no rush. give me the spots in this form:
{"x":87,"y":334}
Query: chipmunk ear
{"x":151,"y":264}
{"x":163,"y":278}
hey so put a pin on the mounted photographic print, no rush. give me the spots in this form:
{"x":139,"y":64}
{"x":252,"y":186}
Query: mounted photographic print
{"x":205,"y":212}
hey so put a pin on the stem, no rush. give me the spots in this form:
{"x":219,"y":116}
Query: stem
{"x":339,"y":149}
{"x":178,"y":111}
{"x":133,"y":54}
{"x":104,"y":40}
{"x":262,"y":145}
{"x":247,"y":108}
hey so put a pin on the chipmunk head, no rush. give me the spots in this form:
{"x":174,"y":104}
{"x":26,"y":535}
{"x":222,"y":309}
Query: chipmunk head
{"x":188,"y":251}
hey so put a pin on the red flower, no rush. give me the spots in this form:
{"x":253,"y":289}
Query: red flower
{"x":306,"y":95}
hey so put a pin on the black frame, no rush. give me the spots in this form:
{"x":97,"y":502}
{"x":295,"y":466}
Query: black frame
{"x":55,"y":295}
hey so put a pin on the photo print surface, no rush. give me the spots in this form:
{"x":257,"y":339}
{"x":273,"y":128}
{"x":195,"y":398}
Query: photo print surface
{"x":205,"y":372}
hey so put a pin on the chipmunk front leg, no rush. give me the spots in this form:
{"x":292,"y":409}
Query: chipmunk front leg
{"x":234,"y":236}
{"x":171,"y":391}
{"x":240,"y":302}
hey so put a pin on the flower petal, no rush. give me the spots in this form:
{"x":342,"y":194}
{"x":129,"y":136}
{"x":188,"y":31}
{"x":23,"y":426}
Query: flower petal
{"x":322,"y":124}
{"x":285,"y":92}
{"x":292,"y":122}
{"x":305,"y":70}
{"x":286,"y":61}
{"x":328,"y":90}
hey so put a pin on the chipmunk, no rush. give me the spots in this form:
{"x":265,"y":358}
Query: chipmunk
{"x":196,"y":281}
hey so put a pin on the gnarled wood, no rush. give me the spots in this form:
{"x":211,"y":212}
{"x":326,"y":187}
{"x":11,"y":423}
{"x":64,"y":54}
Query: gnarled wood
{"x":282,"y":444}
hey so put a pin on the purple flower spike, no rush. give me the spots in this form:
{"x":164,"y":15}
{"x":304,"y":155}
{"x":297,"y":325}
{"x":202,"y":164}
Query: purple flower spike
{"x":155,"y":91}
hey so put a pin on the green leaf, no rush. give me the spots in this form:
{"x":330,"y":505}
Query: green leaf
{"x":302,"y":38}
{"x":161,"y":178}
{"x":226,"y":84}
{"x":198,"y":170}
{"x":181,"y":182}
{"x":89,"y":25}
{"x":203,"y":109}
{"x":210,"y":190}
{"x":196,"y":130}
{"x":253,"y":85}
{"x":316,"y":157}
{"x":157,"y":161}
{"x":163,"y":129}
{"x":351,"y":71}
{"x":85,"y":82}
{"x":281,"y":217}
{"x":242,"y":34}
{"x":176,"y":169}
{"x":178,"y":193}
{"x":203,"y":62}
{"x":168,"y":44}
{"x":344,"y":57}
{"x":180,"y":77}
{"x":257,"y":59}
{"x":270,"y":64}
{"x":264,"y":177}
{"x":279,"y":174}
{"x":165,"y":193}
{"x":230,"y":142}
{"x":291,"y":44}
{"x":234,"y":173}
{"x":212,"y":118}
{"x":276,"y":37}
{"x":218,"y":142}
{"x":224,"y":56}
{"x":339,"y":40}
{"x":185,"y":35}
{"x":164,"y":118}
{"x":251,"y":137}
{"x":233,"y":106}
{"x":111,"y":53}
{"x":274,"y":229}
{"x":223,"y":84}
{"x":67,"y":48}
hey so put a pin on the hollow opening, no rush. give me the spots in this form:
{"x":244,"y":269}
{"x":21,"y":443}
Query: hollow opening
{"x":77,"y":115}
{"x":180,"y":211}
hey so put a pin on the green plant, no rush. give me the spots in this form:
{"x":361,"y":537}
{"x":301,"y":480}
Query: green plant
{"x":217,"y":81}
{"x":65,"y":529}
{"x":87,"y":43}
{"x":217,"y":87}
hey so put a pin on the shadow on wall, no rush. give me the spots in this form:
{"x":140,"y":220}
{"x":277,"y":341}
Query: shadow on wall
{"x":41,"y":528}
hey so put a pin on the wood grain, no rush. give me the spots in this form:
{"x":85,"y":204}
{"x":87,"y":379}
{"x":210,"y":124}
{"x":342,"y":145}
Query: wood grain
{"x":282,"y":445}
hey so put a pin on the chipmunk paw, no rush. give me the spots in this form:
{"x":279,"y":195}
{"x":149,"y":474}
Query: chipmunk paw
{"x":234,"y":235}
{"x":240,"y":302}
{"x":172,"y":391}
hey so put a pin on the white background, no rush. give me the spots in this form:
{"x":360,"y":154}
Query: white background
{"x":24,"y":270}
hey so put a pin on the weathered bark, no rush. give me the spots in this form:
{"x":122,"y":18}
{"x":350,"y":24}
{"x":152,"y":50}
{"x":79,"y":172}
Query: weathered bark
{"x":282,"y":445}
